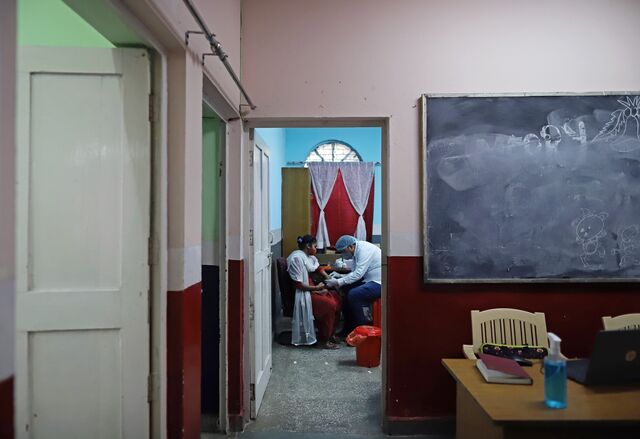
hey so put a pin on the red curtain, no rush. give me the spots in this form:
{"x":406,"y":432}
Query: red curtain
{"x":341,"y":217}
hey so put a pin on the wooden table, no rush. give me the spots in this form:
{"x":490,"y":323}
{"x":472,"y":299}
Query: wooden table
{"x":485,"y":410}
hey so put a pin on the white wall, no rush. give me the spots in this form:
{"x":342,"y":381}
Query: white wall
{"x":185,"y":171}
{"x":376,"y":57}
{"x":7,"y":185}
{"x":223,"y":19}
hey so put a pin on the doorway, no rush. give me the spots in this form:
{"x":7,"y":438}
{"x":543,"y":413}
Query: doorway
{"x":213,"y":268}
{"x":312,"y":390}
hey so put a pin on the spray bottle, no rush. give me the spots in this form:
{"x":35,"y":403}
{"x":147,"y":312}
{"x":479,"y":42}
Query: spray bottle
{"x":555,"y":375}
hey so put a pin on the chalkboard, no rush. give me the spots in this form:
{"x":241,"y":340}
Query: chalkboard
{"x":532,"y":188}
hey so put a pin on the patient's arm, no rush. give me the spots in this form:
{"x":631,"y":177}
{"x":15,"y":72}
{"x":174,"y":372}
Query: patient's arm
{"x":307,"y":287}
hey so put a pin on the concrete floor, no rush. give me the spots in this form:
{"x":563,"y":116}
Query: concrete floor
{"x":320,"y":391}
{"x":318,"y":394}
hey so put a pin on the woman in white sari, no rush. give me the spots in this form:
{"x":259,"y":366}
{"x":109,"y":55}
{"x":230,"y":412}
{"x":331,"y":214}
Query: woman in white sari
{"x":312,"y":302}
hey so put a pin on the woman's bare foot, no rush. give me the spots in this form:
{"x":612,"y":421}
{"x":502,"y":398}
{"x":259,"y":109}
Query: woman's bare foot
{"x":327,"y":345}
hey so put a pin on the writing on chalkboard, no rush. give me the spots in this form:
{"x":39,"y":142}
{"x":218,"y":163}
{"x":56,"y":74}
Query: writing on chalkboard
{"x":507,"y":201}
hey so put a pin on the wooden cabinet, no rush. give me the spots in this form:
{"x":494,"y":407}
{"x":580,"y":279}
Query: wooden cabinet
{"x":296,"y":210}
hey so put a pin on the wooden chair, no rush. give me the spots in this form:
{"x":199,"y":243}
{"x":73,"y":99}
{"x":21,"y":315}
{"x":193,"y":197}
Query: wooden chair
{"x":624,"y":321}
{"x":506,"y":326}
{"x":287,"y":289}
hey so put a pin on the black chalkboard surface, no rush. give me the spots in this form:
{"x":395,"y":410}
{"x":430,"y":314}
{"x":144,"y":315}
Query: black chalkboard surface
{"x":539,"y":188}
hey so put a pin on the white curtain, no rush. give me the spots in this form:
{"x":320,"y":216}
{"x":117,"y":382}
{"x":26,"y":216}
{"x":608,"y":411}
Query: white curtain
{"x":323,"y":177}
{"x":357,"y":177}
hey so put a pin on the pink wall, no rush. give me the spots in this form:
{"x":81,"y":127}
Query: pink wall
{"x":185,"y":85}
{"x":376,"y":57}
{"x":223,"y":19}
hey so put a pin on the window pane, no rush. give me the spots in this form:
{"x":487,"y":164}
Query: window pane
{"x":333,"y":152}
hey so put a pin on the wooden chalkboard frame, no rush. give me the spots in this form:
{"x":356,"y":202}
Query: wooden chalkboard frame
{"x":423,"y":148}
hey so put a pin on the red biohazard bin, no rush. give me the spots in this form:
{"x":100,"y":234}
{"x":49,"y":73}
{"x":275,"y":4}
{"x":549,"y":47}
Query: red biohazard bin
{"x":367,"y":340}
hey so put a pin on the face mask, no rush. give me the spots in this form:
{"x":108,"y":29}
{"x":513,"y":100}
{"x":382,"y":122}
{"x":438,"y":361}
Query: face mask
{"x":347,"y":256}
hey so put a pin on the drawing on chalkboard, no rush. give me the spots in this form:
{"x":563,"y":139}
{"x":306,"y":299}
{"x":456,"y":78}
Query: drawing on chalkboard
{"x":623,"y":125}
{"x":629,"y":250}
{"x":590,"y":229}
{"x":532,"y":188}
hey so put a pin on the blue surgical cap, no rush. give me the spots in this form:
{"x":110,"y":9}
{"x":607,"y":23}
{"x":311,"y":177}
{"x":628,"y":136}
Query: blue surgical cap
{"x":345,"y":241}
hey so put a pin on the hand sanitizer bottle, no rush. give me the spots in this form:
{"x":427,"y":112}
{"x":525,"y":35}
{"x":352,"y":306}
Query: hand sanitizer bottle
{"x":555,"y":375}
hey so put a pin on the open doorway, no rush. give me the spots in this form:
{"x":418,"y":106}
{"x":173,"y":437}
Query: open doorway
{"x":213,"y":267}
{"x":317,"y":390}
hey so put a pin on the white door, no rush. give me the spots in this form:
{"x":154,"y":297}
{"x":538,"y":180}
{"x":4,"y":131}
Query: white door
{"x":260,"y":305}
{"x":83,"y":191}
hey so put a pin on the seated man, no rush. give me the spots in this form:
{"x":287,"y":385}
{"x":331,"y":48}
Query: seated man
{"x":363,"y":285}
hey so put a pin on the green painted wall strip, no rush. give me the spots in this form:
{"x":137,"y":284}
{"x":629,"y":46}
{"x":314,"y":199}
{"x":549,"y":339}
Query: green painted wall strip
{"x":53,"y":23}
{"x":212,"y":132}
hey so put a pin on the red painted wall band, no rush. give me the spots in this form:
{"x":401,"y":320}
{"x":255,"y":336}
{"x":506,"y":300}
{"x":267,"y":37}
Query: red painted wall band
{"x":184,"y":362}
{"x":429,"y":322}
{"x":235,"y":334}
{"x":6,"y":409}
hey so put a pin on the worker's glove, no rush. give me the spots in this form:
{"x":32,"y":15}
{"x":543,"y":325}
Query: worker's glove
{"x":332,"y":283}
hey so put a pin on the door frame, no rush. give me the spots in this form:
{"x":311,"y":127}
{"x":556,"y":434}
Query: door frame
{"x":211,"y":101}
{"x":382,"y":122}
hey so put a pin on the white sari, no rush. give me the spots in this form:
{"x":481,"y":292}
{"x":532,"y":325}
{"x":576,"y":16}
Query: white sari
{"x":303,"y":331}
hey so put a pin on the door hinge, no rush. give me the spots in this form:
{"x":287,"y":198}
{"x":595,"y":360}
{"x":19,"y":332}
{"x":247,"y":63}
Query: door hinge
{"x":152,"y":108}
{"x":251,"y":159}
{"x":152,"y":245}
{"x":220,"y":169}
{"x":253,"y":392}
{"x":150,"y":392}
{"x":252,"y":313}
{"x":251,"y":237}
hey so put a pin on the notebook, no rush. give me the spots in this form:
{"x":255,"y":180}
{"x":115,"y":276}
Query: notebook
{"x":502,"y":370}
{"x":615,"y":359}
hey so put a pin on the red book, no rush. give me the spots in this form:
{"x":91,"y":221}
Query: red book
{"x":502,"y":370}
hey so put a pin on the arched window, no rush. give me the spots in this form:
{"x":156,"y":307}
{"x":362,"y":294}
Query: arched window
{"x":333,"y":151}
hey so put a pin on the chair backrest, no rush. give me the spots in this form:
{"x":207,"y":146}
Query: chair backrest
{"x":287,"y":289}
{"x":624,"y":321}
{"x":508,"y":326}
